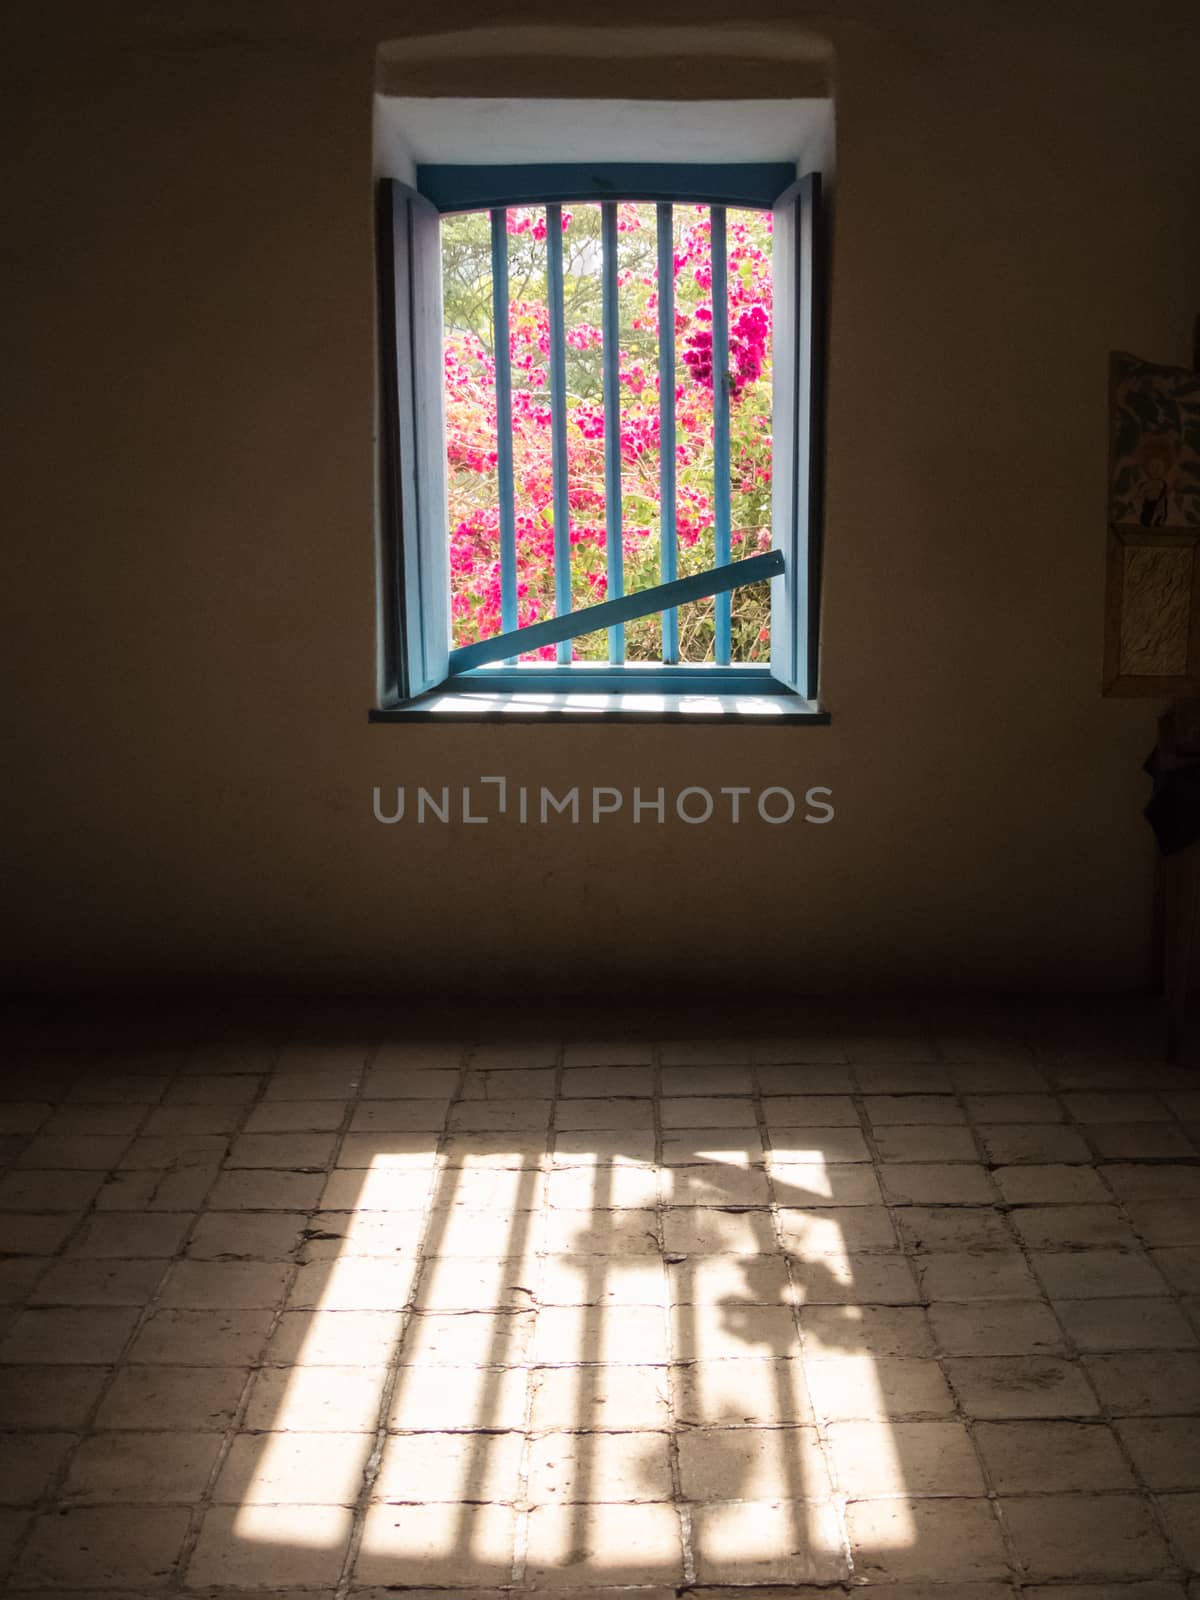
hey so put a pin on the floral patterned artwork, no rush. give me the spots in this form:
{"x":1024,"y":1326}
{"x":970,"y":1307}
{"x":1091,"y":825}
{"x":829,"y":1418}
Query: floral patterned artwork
{"x":1155,"y":480}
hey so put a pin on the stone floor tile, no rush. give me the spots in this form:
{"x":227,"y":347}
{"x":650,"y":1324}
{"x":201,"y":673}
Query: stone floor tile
{"x":577,"y":1547}
{"x":876,"y":1279}
{"x":24,"y":1233}
{"x":406,"y":1083}
{"x":250,"y":1547}
{"x":570,"y":1468}
{"x":885,"y":1110}
{"x":936,"y":1183}
{"x":224,"y":1285}
{"x":18,"y":1277}
{"x":1116,"y":1108}
{"x":118,"y":1468}
{"x":1140,"y":1141}
{"x":1180,"y":1266}
{"x":284,"y":1152}
{"x":628,"y":1231}
{"x":316,"y":1399}
{"x":1164,"y":1450}
{"x":733,"y":1331}
{"x":1183,"y":1520}
{"x":500,"y":1283}
{"x":951,"y":1540}
{"x":116,"y":1088}
{"x":500,"y":1116}
{"x":58,"y":1336}
{"x":581,"y":1115}
{"x":810,"y":1111}
{"x":577,"y":1188}
{"x":360,"y":1191}
{"x":602,"y":1147}
{"x":863,"y":1388}
{"x":706,"y":1052}
{"x":962,"y":1275}
{"x":597,"y":1280}
{"x":936,"y":1229}
{"x":418,"y":1055}
{"x":1073,"y":1228}
{"x":835,"y":1230}
{"x":448,"y":1545}
{"x":594,"y":1082}
{"x":756,"y":1542}
{"x":178,"y":1337}
{"x":802,"y":1079}
{"x":700,"y":1111}
{"x":399,"y":1116}
{"x":335,"y":1338}
{"x":212,"y":1089}
{"x":901,"y":1077}
{"x":1096,"y":1274}
{"x":130,"y":1235}
{"x":714,"y":1231}
{"x":266,"y":1191}
{"x":519,"y":1083}
{"x":826,"y":1146}
{"x":1081,"y":1536}
{"x":857,"y":1329}
{"x":1042,"y":1144}
{"x":1141,"y":1181}
{"x":365,"y":1283}
{"x":48,"y":1191}
{"x":153,"y":1189}
{"x":607,"y":1397}
{"x":95,"y":1546}
{"x":1050,"y":1185}
{"x":1126,"y":1324}
{"x":1020,"y":1386}
{"x":925,"y":1142}
{"x":705,"y":1082}
{"x":71,"y":1282}
{"x":247,"y":1236}
{"x":727,"y":1148}
{"x":986,"y":1078}
{"x":471,"y":1150}
{"x":49,"y":1396}
{"x":110,"y":1120}
{"x":715,"y":1184}
{"x":741,"y":1391}
{"x":479,"y":1338}
{"x":456,"y":1398}
{"x":752,"y":1464}
{"x":714,"y":1282}
{"x":585,"y":1053}
{"x":1164,"y":1383}
{"x":1052,"y":1457}
{"x":295,"y":1116}
{"x":28,"y":1461}
{"x":873,"y":1459}
{"x":567,"y":1334}
{"x":311,"y":1469}
{"x":197,"y":1398}
{"x":26,"y":1116}
{"x":417,"y":1151}
{"x":1001,"y":1108}
{"x":428,"y":1468}
{"x":815,"y":1184}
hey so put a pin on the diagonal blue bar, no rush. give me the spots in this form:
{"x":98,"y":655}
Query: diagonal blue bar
{"x":504,"y":425}
{"x":668,"y":538}
{"x":721,"y":480}
{"x":611,"y":322}
{"x":643,"y":603}
{"x":558,"y":424}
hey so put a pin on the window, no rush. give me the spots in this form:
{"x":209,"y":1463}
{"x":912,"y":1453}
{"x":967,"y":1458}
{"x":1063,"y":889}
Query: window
{"x":537,"y":537}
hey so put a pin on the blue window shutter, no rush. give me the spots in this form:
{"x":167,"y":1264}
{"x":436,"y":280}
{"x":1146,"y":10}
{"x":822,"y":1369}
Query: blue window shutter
{"x":796,"y":442}
{"x":416,"y":565}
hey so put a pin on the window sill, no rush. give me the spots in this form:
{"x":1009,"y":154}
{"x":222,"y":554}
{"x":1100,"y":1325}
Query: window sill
{"x":528,"y":705}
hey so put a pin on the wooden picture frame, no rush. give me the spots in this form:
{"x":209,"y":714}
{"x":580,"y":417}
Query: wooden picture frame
{"x":1152,"y":600}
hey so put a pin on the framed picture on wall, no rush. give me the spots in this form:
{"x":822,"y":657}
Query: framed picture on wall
{"x":1152,"y":609}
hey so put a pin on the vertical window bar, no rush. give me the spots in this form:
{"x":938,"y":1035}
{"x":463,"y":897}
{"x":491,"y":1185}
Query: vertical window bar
{"x":610,"y":315}
{"x":668,"y":535}
{"x":721,"y":483}
{"x":504,"y":423}
{"x":558,"y":421}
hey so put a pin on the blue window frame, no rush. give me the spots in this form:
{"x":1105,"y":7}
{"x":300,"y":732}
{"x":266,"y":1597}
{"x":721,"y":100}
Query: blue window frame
{"x":418,"y":651}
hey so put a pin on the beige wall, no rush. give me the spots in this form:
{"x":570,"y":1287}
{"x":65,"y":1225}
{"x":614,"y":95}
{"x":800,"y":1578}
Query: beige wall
{"x":190,"y":528}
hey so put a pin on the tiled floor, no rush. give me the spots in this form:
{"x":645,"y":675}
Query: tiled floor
{"x":324,"y":1304}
